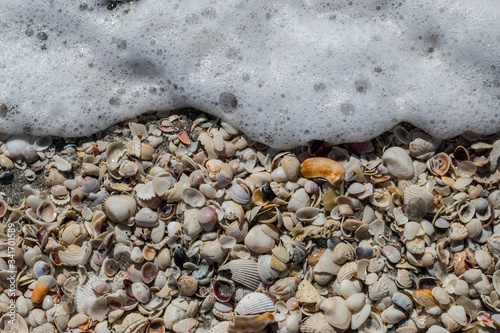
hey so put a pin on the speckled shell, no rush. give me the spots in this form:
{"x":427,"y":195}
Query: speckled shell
{"x":254,"y":303}
{"x":187,"y":285}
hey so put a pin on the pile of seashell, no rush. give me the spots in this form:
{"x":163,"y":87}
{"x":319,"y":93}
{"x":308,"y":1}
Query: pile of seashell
{"x":186,"y":225}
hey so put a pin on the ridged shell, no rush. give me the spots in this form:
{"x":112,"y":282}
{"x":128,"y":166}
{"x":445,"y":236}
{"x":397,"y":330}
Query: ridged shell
{"x":254,"y":303}
{"x":134,"y":323}
{"x":240,"y":193}
{"x":219,"y":328}
{"x":416,"y":246}
{"x":343,"y":252}
{"x":316,"y":324}
{"x":90,"y":185}
{"x":378,"y":290}
{"x":458,"y":231}
{"x":336,"y":312}
{"x":291,"y":166}
{"x":306,"y":293}
{"x":267,"y":274}
{"x":187,"y":285}
{"x":244,"y":272}
{"x":119,"y":208}
{"x":237,"y":230}
{"x":298,"y":200}
{"x":321,"y":167}
{"x":282,"y":254}
{"x":257,"y":241}
{"x":347,"y":271}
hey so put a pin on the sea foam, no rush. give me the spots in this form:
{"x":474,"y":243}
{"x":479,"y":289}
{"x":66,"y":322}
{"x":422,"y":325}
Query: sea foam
{"x":284,"y":72}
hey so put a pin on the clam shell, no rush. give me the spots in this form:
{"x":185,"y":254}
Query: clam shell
{"x":119,"y":208}
{"x":356,"y":302}
{"x":244,"y":272}
{"x":240,"y":193}
{"x":291,"y":166}
{"x":237,"y":230}
{"x":146,"y":218}
{"x":403,"y":301}
{"x":207,"y":217}
{"x":75,"y":255}
{"x":378,"y":290}
{"x":458,"y":314}
{"x":298,"y":200}
{"x":307,"y":214}
{"x":321,"y":167}
{"x":257,"y":241}
{"x":439,"y":164}
{"x":316,"y":323}
{"x":398,"y":162}
{"x":359,"y":318}
{"x":343,"y":252}
{"x":254,"y":303}
{"x":193,"y":197}
{"x":306,"y":293}
{"x":253,"y":323}
{"x":46,"y":211}
{"x":336,"y":312}
{"x":392,"y":315}
{"x":185,"y":325}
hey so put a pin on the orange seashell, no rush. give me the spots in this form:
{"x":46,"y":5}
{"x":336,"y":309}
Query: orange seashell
{"x":424,"y":297}
{"x":313,"y":258}
{"x":184,"y":137}
{"x":42,"y":287}
{"x":187,"y":285}
{"x":241,"y":324}
{"x":323,"y":168}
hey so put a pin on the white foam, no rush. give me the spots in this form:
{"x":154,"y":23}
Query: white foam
{"x":334,"y":70}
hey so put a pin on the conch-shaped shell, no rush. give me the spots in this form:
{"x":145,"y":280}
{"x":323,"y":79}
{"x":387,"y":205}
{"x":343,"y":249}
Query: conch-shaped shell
{"x":321,"y":167}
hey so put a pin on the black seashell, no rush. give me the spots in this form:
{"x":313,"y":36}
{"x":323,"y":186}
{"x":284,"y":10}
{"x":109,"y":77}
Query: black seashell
{"x":266,"y":192}
{"x":180,"y":257}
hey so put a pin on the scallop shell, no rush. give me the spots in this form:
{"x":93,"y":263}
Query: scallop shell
{"x":321,"y":167}
{"x":343,"y":252}
{"x":378,"y":290}
{"x":220,"y":327}
{"x":244,"y":272}
{"x":316,"y":324}
{"x":254,"y":303}
{"x":119,"y":208}
{"x":237,"y":230}
{"x":257,"y":241}
{"x":398,"y":162}
{"x":458,"y":231}
{"x":298,"y":200}
{"x":336,"y":312}
{"x":240,"y":193}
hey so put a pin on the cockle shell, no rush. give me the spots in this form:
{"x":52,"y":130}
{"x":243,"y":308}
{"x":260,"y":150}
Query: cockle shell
{"x":254,"y":303}
{"x":284,"y":288}
{"x":343,"y":252}
{"x":134,"y":323}
{"x":237,"y":230}
{"x":398,"y":163}
{"x":187,"y":285}
{"x":298,"y":200}
{"x":240,"y":193}
{"x":336,"y":312}
{"x":494,"y":243}
{"x":458,"y":231}
{"x":291,"y":166}
{"x":378,"y":290}
{"x":219,"y":328}
{"x":244,"y":272}
{"x":185,"y":325}
{"x":119,"y":208}
{"x":316,"y":324}
{"x":321,"y":167}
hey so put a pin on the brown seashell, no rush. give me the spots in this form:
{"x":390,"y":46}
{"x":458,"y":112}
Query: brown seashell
{"x":321,"y":167}
{"x":241,"y":324}
{"x":187,"y":285}
{"x":343,"y":252}
{"x":439,"y":164}
{"x":111,"y":267}
{"x":424,"y":297}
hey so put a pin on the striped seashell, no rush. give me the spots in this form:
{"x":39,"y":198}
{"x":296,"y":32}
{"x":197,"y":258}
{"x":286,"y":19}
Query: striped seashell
{"x":220,"y":327}
{"x":343,"y":252}
{"x":237,"y":230}
{"x":119,"y":208}
{"x":254,"y":303}
{"x":258,"y":241}
{"x":244,"y":272}
{"x":266,"y":272}
{"x":76,"y":255}
{"x":85,"y":297}
{"x":347,"y":271}
{"x":458,"y":231}
{"x":271,"y":230}
{"x":316,"y":324}
{"x":416,"y":246}
{"x":134,"y":323}
{"x":376,"y":265}
{"x":474,"y":228}
{"x":378,"y":290}
{"x":415,"y":191}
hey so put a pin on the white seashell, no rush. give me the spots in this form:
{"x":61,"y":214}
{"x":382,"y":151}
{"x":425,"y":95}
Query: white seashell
{"x":356,"y":302}
{"x":336,"y":312}
{"x":146,"y":218}
{"x":378,"y":290}
{"x":62,"y":164}
{"x":85,"y":297}
{"x":398,"y":162}
{"x":316,"y":324}
{"x":146,"y":191}
{"x":227,"y":242}
{"x":343,"y":252}
{"x":257,"y":241}
{"x":212,"y":251}
{"x":134,"y":323}
{"x":391,"y":253}
{"x":307,"y":214}
{"x":416,"y":246}
{"x":15,"y":146}
{"x":46,"y":211}
{"x":325,"y":268}
{"x":267,"y":274}
{"x":298,"y":200}
{"x":76,"y":255}
{"x":98,"y":310}
{"x":411,"y":230}
{"x":474,"y":228}
{"x":240,"y":193}
{"x":237,"y":230}
{"x":392,"y":315}
{"x":173,"y":315}
{"x":119,"y":208}
{"x":457,"y":313}
{"x":185,"y":325}
{"x":359,"y":318}
{"x":254,"y":303}
{"x":42,"y":143}
{"x":244,"y":272}
{"x":193,"y":197}
{"x":128,"y":169}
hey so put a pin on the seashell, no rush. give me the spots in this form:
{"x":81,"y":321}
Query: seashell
{"x":134,"y":323}
{"x":223,"y":290}
{"x":237,"y":230}
{"x":185,"y":325}
{"x":483,"y":208}
{"x":100,"y":286}
{"x":458,"y":314}
{"x":46,"y":211}
{"x":336,"y":312}
{"x":41,"y":268}
{"x":306,"y":293}
{"x":128,"y":169}
{"x":15,"y":145}
{"x":378,"y":290}
{"x":316,"y":323}
{"x":267,"y":274}
{"x":42,"y":143}
{"x":312,"y":188}
{"x":187,"y":285}
{"x":253,"y":323}
{"x":284,"y":288}
{"x":404,"y":279}
{"x":399,"y":163}
{"x":173,"y":314}
{"x":193,"y":197}
{"x":466,"y":211}
{"x":75,"y":255}
{"x":403,"y":301}
{"x":356,"y":302}
{"x":439,"y":164}
{"x":140,"y":292}
{"x":458,"y":231}
{"x":359,"y":318}
{"x":240,"y":193}
{"x":282,"y":254}
{"x":343,"y":252}
{"x":321,"y":167}
{"x":474,"y":228}
{"x":392,"y":315}
{"x":212,"y":251}
{"x":415,"y":246}
{"x":347,"y":271}
{"x":307,"y":214}
{"x":146,"y":192}
{"x":220,"y":327}
{"x":207,"y":217}
{"x":391,"y":253}
{"x":30,"y":154}
{"x":257,"y":241}
{"x":166,"y":212}
{"x":119,"y":208}
{"x":291,"y":166}
{"x":493,"y":243}
{"x":149,"y":271}
{"x":441,"y":295}
{"x":146,"y":218}
{"x":424,"y":297}
{"x":483,"y":259}
{"x":42,"y":287}
{"x":254,"y":303}
{"x":298,"y":200}
{"x":416,"y":209}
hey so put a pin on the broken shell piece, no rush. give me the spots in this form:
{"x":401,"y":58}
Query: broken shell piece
{"x":321,"y":167}
{"x":42,"y":287}
{"x":256,"y":323}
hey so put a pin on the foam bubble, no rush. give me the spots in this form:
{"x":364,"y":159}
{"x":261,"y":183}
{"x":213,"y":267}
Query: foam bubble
{"x":283,"y":73}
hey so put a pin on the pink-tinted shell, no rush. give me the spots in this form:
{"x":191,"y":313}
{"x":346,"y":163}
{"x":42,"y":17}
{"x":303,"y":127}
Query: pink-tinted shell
{"x":223,"y":290}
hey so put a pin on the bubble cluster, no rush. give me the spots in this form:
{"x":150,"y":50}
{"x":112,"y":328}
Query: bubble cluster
{"x":283,"y":73}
